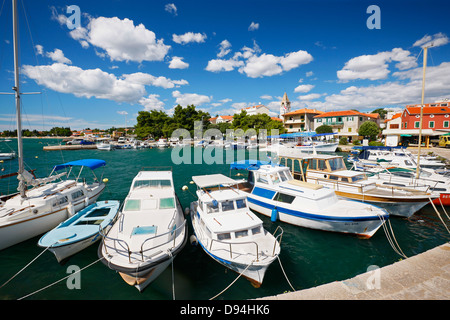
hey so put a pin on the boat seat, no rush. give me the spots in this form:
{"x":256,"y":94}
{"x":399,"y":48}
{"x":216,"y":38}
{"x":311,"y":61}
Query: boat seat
{"x":305,"y":184}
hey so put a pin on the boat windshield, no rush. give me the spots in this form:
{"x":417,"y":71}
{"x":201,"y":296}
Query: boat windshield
{"x":336,"y":164}
{"x":154,"y":184}
{"x":359,"y":178}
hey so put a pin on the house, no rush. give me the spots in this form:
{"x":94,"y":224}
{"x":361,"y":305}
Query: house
{"x":345,"y":123}
{"x":435,"y":121}
{"x":222,"y":119}
{"x":300,"y":120}
{"x":256,"y":110}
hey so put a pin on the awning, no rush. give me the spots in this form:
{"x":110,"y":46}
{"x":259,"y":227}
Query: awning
{"x":211,"y":180}
{"x":90,"y":163}
{"x":249,"y":164}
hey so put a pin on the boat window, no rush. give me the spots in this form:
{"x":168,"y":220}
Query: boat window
{"x":288,"y":174}
{"x":282,"y":176}
{"x":240,"y":203}
{"x":313,"y":164}
{"x":156,"y":184}
{"x":212,"y":207}
{"x":227,"y":205}
{"x":322,"y":165}
{"x":100,"y":212}
{"x":223,"y":236}
{"x":331,"y":177}
{"x":256,"y":230}
{"x":77,"y":194}
{"x":345,"y":179}
{"x":359,"y":178}
{"x":132,"y":205}
{"x":336,"y":164}
{"x":408,"y":163}
{"x":262,"y":178}
{"x":60,"y":201}
{"x":166,"y":203}
{"x":241,"y":234}
{"x":282,"y":197}
{"x":274,"y":178}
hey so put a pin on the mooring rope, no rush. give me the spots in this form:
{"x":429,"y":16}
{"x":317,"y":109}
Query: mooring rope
{"x":52,"y":284}
{"x":26,"y":266}
{"x":439,"y":215}
{"x":233,"y":281}
{"x":173,"y":277}
{"x":282,"y":269}
{"x":392,"y":240}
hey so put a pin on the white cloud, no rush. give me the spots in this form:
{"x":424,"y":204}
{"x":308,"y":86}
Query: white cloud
{"x":439,"y":39}
{"x":171,"y":8}
{"x":266,"y":97}
{"x":178,"y":63}
{"x":405,"y":91}
{"x":151,"y":103}
{"x":123,"y":113}
{"x":309,"y":74}
{"x":189,"y":37}
{"x":255,"y":65}
{"x":311,"y":96}
{"x":304,"y":88}
{"x":58,"y":56}
{"x":122,"y":40}
{"x":225,"y":46}
{"x":185,"y":99}
{"x":85,"y":83}
{"x":375,"y":67}
{"x":148,"y":79}
{"x":253,"y":26}
{"x":39,"y":49}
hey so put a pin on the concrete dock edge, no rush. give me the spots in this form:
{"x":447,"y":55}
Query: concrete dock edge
{"x":425,"y":276}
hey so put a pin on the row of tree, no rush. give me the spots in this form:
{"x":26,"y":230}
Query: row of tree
{"x":55,"y":131}
{"x":158,"y":124}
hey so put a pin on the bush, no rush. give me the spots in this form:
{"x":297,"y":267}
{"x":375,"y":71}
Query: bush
{"x":376,"y":144}
{"x":343,"y":141}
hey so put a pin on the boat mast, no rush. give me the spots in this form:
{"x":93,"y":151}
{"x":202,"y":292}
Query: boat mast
{"x":425,"y":52}
{"x":22,"y":185}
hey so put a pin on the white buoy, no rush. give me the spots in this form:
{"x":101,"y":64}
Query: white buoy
{"x":184,"y":188}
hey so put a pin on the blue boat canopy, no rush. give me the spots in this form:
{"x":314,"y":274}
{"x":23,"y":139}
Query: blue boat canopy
{"x":249,"y":164}
{"x":90,"y":163}
{"x":301,"y":134}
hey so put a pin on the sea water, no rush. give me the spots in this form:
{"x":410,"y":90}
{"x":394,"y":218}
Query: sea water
{"x":308,"y":257}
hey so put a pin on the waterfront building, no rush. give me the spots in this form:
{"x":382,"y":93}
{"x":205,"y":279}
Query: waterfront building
{"x":259,"y":109}
{"x":345,"y":123}
{"x":404,"y":129}
{"x":300,"y":120}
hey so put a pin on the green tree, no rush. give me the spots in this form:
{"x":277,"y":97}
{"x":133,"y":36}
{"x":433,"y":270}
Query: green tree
{"x":324,"y":129}
{"x":369,"y":129}
{"x":381,"y":111}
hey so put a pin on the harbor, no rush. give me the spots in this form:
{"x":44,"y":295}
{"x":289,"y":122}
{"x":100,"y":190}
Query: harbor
{"x":341,"y":192}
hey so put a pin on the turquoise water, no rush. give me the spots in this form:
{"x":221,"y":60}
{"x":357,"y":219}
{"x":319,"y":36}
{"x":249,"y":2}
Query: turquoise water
{"x":308,"y":257}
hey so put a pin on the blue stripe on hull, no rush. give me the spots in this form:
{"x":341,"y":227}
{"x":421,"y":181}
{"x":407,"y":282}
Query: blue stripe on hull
{"x":310,"y":216}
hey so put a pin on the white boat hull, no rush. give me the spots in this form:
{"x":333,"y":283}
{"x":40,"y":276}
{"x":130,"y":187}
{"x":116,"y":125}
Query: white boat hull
{"x":361,"y":227}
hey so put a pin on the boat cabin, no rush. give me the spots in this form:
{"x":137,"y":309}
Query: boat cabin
{"x":223,"y":210}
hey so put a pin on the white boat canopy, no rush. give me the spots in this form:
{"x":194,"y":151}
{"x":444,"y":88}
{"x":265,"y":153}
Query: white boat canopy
{"x":211,"y":180}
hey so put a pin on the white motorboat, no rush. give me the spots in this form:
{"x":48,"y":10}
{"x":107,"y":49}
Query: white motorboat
{"x":272,"y":191}
{"x":162,"y":143}
{"x":330,"y":171}
{"x":7,"y":155}
{"x":47,"y":203}
{"x":382,"y":157}
{"x":104,"y":145}
{"x":149,"y":232}
{"x":81,"y":230}
{"x":228,"y":231}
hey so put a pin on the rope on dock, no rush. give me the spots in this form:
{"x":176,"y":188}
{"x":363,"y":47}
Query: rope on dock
{"x":26,"y":266}
{"x":52,"y":284}
{"x":233,"y":281}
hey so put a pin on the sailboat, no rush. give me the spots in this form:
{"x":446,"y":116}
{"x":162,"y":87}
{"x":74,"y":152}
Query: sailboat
{"x":51,"y":200}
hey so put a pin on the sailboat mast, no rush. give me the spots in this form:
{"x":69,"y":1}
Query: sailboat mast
{"x":16,"y":88}
{"x":425,"y":53}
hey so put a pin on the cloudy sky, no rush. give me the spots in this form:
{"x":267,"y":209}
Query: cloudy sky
{"x":97,"y":63}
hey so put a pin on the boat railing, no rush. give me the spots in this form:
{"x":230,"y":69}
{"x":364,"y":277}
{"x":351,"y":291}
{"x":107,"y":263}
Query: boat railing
{"x":230,"y":244}
{"x":125,"y":249}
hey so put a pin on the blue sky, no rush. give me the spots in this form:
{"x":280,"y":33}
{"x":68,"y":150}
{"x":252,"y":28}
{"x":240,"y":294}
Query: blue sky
{"x":128,"y":56}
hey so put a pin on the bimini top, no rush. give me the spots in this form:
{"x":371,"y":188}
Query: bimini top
{"x":211,"y":180}
{"x":249,"y":164}
{"x":90,"y":163}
